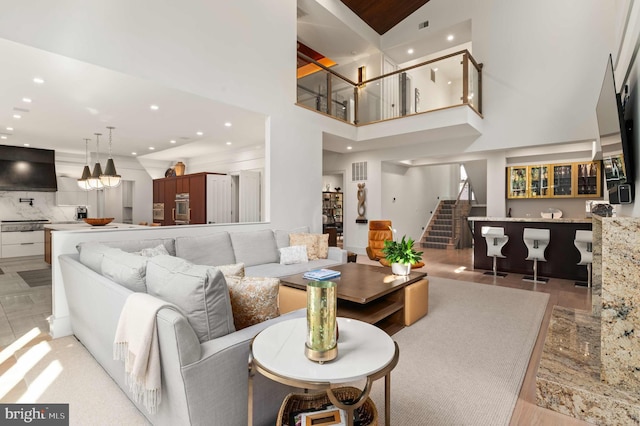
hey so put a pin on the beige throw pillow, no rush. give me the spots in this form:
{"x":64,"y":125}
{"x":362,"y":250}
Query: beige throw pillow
{"x":232,"y":270}
{"x":308,"y":240}
{"x":253,"y":299}
{"x":322,"y":240}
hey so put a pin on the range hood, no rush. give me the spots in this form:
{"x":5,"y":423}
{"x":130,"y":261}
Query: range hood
{"x":27,"y":169}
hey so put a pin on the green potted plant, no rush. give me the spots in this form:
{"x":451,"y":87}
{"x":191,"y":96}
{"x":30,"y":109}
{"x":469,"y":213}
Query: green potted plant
{"x":401,"y":255}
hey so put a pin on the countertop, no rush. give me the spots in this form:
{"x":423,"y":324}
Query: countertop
{"x":72,"y":226}
{"x":529,"y":219}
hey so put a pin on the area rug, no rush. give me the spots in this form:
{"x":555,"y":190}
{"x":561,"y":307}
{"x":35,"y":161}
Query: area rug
{"x":63,"y":371}
{"x":464,"y":363}
{"x":37,"y":277}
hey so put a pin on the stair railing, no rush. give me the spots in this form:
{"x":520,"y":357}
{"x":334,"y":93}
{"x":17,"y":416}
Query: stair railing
{"x":459,"y":213}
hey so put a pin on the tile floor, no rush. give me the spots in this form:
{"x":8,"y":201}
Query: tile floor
{"x":22,"y":307}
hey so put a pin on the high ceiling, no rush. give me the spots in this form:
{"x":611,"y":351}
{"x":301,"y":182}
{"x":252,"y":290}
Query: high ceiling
{"x":382,"y":15}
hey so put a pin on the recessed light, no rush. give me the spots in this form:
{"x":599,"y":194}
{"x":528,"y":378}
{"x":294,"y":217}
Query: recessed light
{"x":228,"y":143}
{"x":3,"y":137}
{"x":25,"y":144}
{"x":410,"y":51}
{"x":151,"y":148}
{"x":154,"y":107}
{"x":450,"y":37}
{"x":10,"y":129}
{"x":134,"y":153}
{"x":172,"y":141}
{"x":38,"y":80}
{"x":227,"y":124}
{"x":199,"y":133}
{"x":26,"y":100}
{"x":448,"y":82}
{"x":17,"y":116}
{"x":349,"y":147}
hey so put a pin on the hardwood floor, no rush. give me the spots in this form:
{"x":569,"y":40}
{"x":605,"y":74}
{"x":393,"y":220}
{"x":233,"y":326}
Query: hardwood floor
{"x":458,"y":265}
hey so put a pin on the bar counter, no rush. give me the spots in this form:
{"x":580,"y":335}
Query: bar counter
{"x":561,"y":254}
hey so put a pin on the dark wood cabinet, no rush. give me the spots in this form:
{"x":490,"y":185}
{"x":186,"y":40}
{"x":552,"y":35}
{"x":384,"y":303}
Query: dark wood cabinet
{"x":182,"y":184}
{"x":165,"y":190}
{"x":198,"y":199}
{"x":170,"y":186}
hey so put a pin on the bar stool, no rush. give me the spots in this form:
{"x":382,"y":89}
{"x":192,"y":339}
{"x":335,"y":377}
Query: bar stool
{"x":495,"y":239}
{"x":584,"y":244}
{"x":536,"y":241}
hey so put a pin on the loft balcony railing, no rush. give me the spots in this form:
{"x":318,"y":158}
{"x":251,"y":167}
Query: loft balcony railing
{"x":444,"y":82}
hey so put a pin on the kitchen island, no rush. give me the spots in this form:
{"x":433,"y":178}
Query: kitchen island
{"x":561,"y":254}
{"x":72,"y":226}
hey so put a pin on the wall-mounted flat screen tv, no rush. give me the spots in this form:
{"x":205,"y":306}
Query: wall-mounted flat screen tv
{"x":616,"y":139}
{"x":27,"y":169}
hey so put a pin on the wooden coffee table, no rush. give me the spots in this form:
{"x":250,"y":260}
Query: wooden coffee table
{"x":367,"y":293}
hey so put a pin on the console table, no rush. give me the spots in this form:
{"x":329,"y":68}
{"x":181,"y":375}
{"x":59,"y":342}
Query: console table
{"x":364,"y":353}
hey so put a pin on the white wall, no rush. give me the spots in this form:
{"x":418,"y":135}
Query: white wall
{"x":411,"y":194}
{"x":334,"y":181}
{"x":207,"y":48}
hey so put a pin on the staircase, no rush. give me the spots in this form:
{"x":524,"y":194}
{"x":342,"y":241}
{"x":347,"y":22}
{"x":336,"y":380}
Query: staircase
{"x":447,"y":228}
{"x":439,"y":232}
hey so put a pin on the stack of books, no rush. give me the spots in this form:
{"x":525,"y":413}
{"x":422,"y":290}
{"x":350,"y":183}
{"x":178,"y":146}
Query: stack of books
{"x":321,"y":274}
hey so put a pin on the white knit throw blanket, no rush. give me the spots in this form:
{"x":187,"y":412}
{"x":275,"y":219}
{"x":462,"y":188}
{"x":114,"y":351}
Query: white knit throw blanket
{"x":136,"y":343}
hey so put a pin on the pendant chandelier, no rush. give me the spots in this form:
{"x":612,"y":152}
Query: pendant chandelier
{"x":83,"y":182}
{"x":110,"y":178}
{"x":94,"y":180}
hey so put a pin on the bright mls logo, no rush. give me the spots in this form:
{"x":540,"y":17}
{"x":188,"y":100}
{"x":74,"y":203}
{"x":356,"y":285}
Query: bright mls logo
{"x":34,"y":414}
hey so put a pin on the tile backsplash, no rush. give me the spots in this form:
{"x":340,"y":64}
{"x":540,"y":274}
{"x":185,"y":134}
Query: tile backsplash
{"x":44,"y":207}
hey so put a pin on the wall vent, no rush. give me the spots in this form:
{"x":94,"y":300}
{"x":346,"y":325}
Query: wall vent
{"x":422,"y":25}
{"x":359,"y":171}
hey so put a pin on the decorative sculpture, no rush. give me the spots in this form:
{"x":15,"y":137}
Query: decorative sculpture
{"x":362,"y":208}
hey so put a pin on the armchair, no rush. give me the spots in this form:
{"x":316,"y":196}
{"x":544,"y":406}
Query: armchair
{"x":379,"y":231}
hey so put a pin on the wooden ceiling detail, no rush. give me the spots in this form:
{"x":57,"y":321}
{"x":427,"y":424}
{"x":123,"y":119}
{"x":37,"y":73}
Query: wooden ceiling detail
{"x":306,"y":68}
{"x":382,"y":15}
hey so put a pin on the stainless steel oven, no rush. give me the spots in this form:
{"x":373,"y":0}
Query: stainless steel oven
{"x":182,"y":212}
{"x":158,"y":211}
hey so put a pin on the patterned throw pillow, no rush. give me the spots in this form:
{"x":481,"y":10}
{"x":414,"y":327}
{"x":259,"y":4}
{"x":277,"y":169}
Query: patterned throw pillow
{"x":153,"y":251}
{"x":308,"y":240}
{"x":233,"y":270}
{"x":293,"y":254}
{"x":253,"y":300}
{"x":322,"y":240}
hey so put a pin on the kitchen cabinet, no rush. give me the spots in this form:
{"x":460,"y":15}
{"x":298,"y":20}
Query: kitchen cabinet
{"x":197,"y":198}
{"x":170,"y":188}
{"x":165,"y":190}
{"x":517,"y":182}
{"x":70,"y":194}
{"x":562,"y":180}
{"x":24,"y":243}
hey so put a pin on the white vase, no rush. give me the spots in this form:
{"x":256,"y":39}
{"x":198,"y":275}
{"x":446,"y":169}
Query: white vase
{"x":401,"y":268}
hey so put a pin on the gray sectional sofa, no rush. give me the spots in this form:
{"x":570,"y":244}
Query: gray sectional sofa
{"x":203,"y":382}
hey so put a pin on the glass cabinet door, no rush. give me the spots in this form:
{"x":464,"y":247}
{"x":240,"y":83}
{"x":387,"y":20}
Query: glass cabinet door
{"x":517,"y":182}
{"x":538,"y":181}
{"x":562,"y":180}
{"x":588,"y":179}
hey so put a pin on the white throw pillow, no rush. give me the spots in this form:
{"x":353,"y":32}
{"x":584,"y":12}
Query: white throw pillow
{"x":293,"y":254}
{"x":153,"y":251}
{"x":199,"y":291}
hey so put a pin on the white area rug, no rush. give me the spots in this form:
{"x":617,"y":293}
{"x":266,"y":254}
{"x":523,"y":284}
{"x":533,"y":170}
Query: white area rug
{"x":63,"y":371}
{"x":464,"y":363}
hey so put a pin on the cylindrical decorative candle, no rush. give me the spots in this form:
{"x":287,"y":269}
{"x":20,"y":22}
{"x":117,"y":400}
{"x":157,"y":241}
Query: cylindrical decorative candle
{"x":322,"y":343}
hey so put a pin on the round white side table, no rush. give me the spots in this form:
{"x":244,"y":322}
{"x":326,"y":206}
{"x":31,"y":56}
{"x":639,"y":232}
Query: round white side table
{"x":365,"y":352}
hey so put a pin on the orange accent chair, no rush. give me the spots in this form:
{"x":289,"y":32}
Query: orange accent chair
{"x":379,"y":231}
